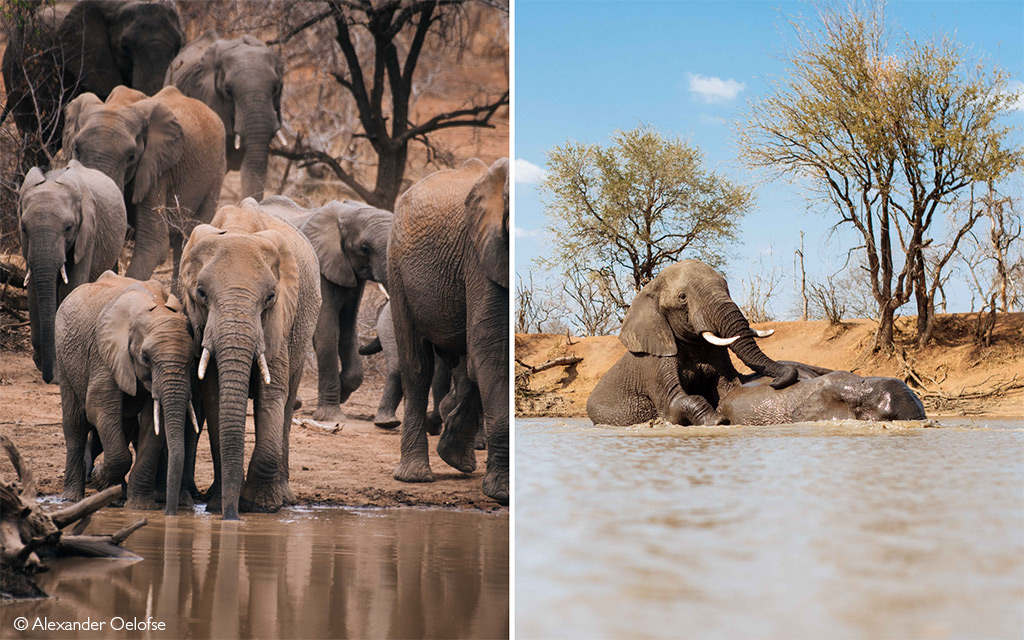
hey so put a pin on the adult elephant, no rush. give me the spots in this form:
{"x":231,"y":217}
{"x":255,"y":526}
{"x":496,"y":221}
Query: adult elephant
{"x":123,"y":359}
{"x":56,"y":54}
{"x":72,"y":223}
{"x":351,"y":242}
{"x":166,"y":155}
{"x":677,"y":367}
{"x":251,"y":291}
{"x":821,"y":394}
{"x":241,"y":81}
{"x":448,"y":279}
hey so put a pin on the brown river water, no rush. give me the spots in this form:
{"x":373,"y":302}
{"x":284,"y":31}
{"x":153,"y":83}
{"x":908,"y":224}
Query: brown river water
{"x":816,"y":530}
{"x":301,"y":573}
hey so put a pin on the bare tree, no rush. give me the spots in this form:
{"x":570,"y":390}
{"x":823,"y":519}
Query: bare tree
{"x":533,"y":309}
{"x":758,"y":290}
{"x":995,"y":261}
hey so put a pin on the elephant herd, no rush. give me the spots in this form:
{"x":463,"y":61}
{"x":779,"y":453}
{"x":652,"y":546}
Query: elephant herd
{"x":254,"y":285}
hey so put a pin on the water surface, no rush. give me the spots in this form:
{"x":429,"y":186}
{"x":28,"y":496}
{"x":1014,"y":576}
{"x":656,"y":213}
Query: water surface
{"x":301,"y":573}
{"x":818,"y":530}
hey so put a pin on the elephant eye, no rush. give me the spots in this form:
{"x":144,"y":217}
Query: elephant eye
{"x":145,"y":359}
{"x":270,"y":299}
{"x":131,"y":157}
{"x":67,"y":227}
{"x":682,"y":297}
{"x":364,"y":249}
{"x":201,"y":294}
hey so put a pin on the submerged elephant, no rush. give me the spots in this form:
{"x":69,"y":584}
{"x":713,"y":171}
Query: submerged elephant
{"x":166,"y":155}
{"x":677,"y":368}
{"x":123,"y":359}
{"x":96,"y":45}
{"x":251,"y":290}
{"x":448,"y":280}
{"x":821,"y":394}
{"x":72,"y":224}
{"x":351,"y":242}
{"x":241,"y":81}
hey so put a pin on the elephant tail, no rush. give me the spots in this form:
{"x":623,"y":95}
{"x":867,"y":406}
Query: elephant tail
{"x":371,"y":348}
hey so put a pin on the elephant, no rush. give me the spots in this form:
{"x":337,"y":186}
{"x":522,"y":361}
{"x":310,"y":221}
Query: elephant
{"x":386,"y":417}
{"x":124,"y":353}
{"x":72,"y":224}
{"x":821,"y":394}
{"x":677,"y":366}
{"x":350,"y":240}
{"x":58,"y":53}
{"x":166,"y":155}
{"x":241,"y":81}
{"x":448,"y":280}
{"x":250,"y":286}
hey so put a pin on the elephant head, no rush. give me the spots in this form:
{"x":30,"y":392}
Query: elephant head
{"x":487,"y":221}
{"x":688,"y":304}
{"x":109,"y":43}
{"x":131,"y":138}
{"x":241,"y":296}
{"x":58,"y":223}
{"x":144,"y":340}
{"x":241,"y":80}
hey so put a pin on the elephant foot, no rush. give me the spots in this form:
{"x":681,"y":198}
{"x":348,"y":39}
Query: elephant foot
{"x":434,"y":422}
{"x":73,"y":495}
{"x":213,"y":504}
{"x":496,"y":485}
{"x":413,"y":471}
{"x":142,"y":504}
{"x":480,"y":444}
{"x":185,"y":499}
{"x":298,"y":404}
{"x":386,"y":421}
{"x":329,"y":413}
{"x":262,"y":499}
{"x":457,"y":454}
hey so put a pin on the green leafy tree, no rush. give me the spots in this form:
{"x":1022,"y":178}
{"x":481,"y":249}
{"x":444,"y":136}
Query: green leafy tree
{"x":622,"y":212}
{"x":890,"y":137}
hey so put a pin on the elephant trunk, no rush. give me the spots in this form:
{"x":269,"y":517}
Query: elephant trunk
{"x":255,"y":124}
{"x":733,"y":323}
{"x":149,"y":65}
{"x":44,"y":270}
{"x":171,"y":387}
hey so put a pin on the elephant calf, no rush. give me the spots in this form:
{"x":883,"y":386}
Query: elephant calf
{"x":123,"y":360}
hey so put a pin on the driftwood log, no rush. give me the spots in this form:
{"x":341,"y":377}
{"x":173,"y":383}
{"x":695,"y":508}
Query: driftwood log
{"x":28,"y":535}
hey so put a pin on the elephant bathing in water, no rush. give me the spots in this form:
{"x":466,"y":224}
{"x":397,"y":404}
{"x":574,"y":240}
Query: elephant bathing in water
{"x":678,"y":369}
{"x":251,"y":290}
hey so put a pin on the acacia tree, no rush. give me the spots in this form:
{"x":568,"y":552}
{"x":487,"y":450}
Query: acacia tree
{"x":380,"y":79}
{"x":622,"y":212}
{"x":889,"y":137}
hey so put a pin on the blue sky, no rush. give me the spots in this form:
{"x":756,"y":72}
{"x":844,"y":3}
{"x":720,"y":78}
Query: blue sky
{"x":586,"y":68}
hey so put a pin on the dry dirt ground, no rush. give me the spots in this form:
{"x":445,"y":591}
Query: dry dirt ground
{"x":953,"y":376}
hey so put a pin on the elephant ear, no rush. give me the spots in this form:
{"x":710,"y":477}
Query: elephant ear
{"x":85,"y":36}
{"x":33,"y":178}
{"x":281,"y":314}
{"x":196,"y":76}
{"x":323,"y":229}
{"x":487,"y":221}
{"x":86,"y":236}
{"x":645,"y":329}
{"x":165,"y":144}
{"x":76,"y":114}
{"x":113,"y":328}
{"x":189,"y":270}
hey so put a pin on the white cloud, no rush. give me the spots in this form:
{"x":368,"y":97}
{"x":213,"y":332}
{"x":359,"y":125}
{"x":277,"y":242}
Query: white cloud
{"x":527,"y":233}
{"x":711,"y":89}
{"x":706,"y":119}
{"x":527,"y":172}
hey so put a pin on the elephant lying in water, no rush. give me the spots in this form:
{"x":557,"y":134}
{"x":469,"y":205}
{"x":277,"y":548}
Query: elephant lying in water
{"x":832,"y":395}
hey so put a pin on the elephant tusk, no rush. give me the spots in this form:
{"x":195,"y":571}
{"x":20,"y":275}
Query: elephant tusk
{"x":764,"y":333}
{"x":263,"y":368}
{"x":238,"y":141}
{"x":280,"y":138}
{"x":156,"y":416}
{"x":63,"y":274}
{"x":384,"y":291}
{"x":721,"y":342}
{"x":192,"y":414}
{"x":28,"y":274}
{"x":203,"y":361}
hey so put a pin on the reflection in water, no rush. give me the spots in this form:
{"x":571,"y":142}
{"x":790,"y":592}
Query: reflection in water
{"x":805,"y":531}
{"x":320,"y":573}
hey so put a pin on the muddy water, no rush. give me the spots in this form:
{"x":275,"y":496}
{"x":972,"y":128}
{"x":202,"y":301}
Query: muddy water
{"x":310,"y":573}
{"x":805,"y":531}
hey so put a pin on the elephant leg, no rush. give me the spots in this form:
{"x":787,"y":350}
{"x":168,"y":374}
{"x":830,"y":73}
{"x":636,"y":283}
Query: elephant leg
{"x":456,"y":446}
{"x":440,"y":384}
{"x":177,"y":244}
{"x":93,"y":449}
{"x":351,"y":362}
{"x":103,"y":402}
{"x":76,"y":428}
{"x":386,"y":417}
{"x":480,"y":442}
{"x":672,"y":401}
{"x":189,"y":492}
{"x":325,"y":344}
{"x":142,"y":481}
{"x":151,"y":237}
{"x":265,"y":488}
{"x":492,"y":381}
{"x":414,"y":465}
{"x":289,"y":410}
{"x":211,"y":411}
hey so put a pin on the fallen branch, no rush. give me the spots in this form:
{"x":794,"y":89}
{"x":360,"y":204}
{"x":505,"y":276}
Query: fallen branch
{"x":551,"y":364}
{"x":82,"y":508}
{"x":12,"y":274}
{"x":309,"y":423}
